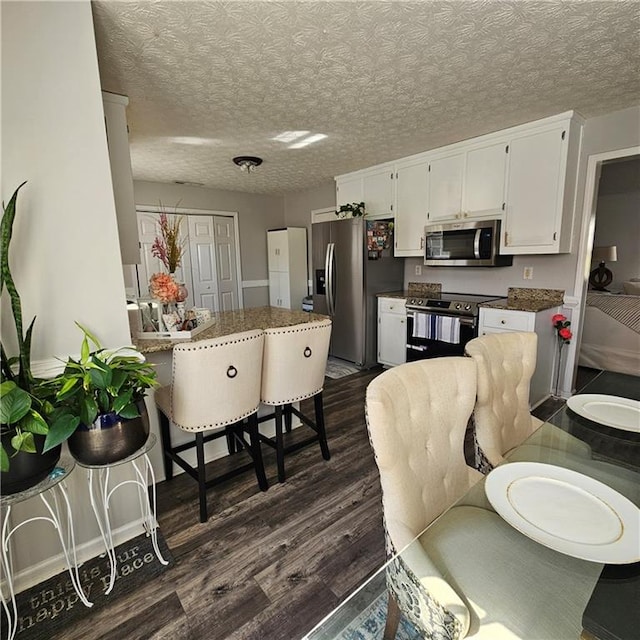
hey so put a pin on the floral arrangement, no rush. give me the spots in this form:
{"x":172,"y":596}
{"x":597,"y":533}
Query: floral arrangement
{"x":564,"y":335}
{"x":169,"y":246}
{"x":561,"y":325}
{"x":163,"y":287}
{"x":356,"y":209}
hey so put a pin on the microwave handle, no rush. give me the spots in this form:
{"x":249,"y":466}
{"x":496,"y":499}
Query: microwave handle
{"x":476,"y":244}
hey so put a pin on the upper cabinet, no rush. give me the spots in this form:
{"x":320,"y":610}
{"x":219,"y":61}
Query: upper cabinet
{"x":541,"y":185}
{"x":525,"y":176}
{"x":412,"y":178}
{"x":468,"y":184}
{"x":374,"y":187}
{"x":445,"y":188}
{"x":121,"y":177}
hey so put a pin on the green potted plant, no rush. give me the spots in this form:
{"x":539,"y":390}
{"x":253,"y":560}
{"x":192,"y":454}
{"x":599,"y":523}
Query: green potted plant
{"x":99,"y":399}
{"x":351,"y":209}
{"x":26,"y":412}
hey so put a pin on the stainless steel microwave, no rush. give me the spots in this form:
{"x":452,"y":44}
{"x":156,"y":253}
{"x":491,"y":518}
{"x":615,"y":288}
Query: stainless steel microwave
{"x":464,"y":244}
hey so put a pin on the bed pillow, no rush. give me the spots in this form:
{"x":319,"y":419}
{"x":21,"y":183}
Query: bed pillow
{"x":631,"y":288}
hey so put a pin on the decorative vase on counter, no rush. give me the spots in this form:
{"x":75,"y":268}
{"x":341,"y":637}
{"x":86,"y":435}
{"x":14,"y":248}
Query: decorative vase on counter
{"x":109,"y":438}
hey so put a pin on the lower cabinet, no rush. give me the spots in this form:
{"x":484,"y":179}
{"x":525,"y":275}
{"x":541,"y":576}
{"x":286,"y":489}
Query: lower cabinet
{"x":392,"y":331}
{"x":499,"y":320}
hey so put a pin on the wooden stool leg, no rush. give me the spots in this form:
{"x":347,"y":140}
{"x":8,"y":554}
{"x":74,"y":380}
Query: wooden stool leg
{"x":322,"y":434}
{"x":287,"y":418}
{"x":279,"y":444}
{"x":393,"y":619}
{"x":165,"y":437}
{"x":256,"y":452}
{"x":231,"y":442}
{"x":202,"y":487}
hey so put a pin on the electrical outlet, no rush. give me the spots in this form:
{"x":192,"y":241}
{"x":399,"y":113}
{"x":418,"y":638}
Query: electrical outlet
{"x":418,"y":269}
{"x":527,"y":273}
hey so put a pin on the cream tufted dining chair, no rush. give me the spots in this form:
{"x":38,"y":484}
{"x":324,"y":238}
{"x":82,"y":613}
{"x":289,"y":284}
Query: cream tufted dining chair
{"x":293,"y":366}
{"x":469,"y":569}
{"x":506,"y":362}
{"x":215,"y":387}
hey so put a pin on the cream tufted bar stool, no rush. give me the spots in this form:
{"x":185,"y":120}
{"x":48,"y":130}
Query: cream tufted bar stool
{"x":293,"y":366}
{"x":506,"y":362}
{"x":215,"y":386}
{"x":460,"y":577}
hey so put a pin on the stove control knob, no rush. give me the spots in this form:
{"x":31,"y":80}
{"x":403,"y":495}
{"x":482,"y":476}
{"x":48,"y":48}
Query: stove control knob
{"x":467,"y":307}
{"x":458,"y":306}
{"x":420,"y":301}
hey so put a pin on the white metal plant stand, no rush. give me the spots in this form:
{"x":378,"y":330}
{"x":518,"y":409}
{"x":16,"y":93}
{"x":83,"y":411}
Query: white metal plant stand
{"x":100,"y":492}
{"x":53,"y":493}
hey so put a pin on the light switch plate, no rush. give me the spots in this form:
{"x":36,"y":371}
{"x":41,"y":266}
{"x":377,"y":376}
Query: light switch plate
{"x":418,"y":269}
{"x":527,"y":273}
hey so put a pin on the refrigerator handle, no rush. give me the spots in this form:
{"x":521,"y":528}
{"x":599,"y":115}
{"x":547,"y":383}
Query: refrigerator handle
{"x":329,"y":273}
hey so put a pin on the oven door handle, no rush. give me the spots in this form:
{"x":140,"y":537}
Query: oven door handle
{"x":469,"y":322}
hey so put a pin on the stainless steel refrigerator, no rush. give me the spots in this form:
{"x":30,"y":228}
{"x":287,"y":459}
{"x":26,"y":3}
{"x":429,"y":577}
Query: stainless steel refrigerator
{"x":352,"y":262}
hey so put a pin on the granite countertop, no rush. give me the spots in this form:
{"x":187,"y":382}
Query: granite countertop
{"x":416,"y":289}
{"x":393,"y":294}
{"x":532,"y":300}
{"x":228,"y":322}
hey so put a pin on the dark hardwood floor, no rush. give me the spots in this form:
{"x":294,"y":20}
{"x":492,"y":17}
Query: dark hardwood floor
{"x":265,"y":566}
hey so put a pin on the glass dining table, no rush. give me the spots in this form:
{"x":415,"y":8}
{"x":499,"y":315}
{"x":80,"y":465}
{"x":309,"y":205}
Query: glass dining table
{"x":590,"y":544}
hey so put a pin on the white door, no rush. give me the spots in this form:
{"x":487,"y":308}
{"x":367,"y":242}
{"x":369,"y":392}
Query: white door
{"x":349,"y":190}
{"x":484,"y":181}
{"x":278,"y":250}
{"x":411,"y":210}
{"x":204,"y":291}
{"x":377,"y":192}
{"x":225,"y":248}
{"x":148,"y":230}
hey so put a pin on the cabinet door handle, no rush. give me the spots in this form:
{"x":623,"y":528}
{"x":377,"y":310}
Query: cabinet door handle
{"x":503,"y":322}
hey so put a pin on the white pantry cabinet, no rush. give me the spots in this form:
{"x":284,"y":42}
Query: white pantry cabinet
{"x":504,"y":320}
{"x":115,"y":120}
{"x":392,"y":331}
{"x":287,"y":265}
{"x":412,"y":179}
{"x":540,"y":194}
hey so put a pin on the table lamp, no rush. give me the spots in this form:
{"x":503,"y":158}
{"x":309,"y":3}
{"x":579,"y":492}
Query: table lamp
{"x":601,"y":277}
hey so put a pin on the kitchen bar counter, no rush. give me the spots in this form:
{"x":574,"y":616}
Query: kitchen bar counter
{"x":228,"y":322}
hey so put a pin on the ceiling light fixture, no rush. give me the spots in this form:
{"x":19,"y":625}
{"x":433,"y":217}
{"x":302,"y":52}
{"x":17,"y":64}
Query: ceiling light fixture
{"x":247,"y":163}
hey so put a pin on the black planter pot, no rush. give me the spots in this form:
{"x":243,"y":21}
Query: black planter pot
{"x":110,"y":438}
{"x":27,"y":469}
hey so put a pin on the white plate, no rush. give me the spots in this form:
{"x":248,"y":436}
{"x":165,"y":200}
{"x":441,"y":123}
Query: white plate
{"x":620,"y":413}
{"x":566,"y":511}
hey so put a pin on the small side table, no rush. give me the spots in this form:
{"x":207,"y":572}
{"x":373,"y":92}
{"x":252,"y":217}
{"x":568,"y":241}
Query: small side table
{"x":54,"y":484}
{"x":101,"y":492}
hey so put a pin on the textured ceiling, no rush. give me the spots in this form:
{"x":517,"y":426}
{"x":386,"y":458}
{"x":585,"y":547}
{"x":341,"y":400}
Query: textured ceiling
{"x":381,"y":79}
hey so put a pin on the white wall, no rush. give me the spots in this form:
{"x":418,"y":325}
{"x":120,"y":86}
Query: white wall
{"x":65,"y":255}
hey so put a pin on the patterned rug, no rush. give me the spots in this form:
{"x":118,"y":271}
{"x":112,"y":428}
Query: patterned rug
{"x":369,"y":625}
{"x":45,"y":610}
{"x":337,"y":368}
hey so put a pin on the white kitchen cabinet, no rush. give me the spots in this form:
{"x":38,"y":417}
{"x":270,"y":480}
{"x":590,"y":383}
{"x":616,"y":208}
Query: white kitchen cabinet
{"x":349,"y":189}
{"x":115,"y":120}
{"x":484,"y":181}
{"x":504,"y":320}
{"x":412,"y":179}
{"x":540,"y":193}
{"x":287,"y":266}
{"x":392,"y":331}
{"x":445,"y":188}
{"x":374,"y":187}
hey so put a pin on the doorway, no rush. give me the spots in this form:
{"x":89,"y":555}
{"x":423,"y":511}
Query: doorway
{"x":210,"y":266}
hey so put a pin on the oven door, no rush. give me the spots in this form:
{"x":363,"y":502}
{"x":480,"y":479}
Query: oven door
{"x":420,"y":347}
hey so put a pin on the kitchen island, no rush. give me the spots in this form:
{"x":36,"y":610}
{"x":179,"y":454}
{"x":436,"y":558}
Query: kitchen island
{"x":227,"y":322}
{"x":159,"y":352}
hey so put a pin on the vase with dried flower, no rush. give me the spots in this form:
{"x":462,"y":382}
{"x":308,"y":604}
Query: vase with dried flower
{"x":564,"y":335}
{"x":169,"y":247}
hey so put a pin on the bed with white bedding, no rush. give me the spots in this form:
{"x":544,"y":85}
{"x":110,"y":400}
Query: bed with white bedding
{"x":611,"y":333}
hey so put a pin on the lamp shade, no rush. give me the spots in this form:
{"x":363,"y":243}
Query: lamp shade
{"x":605,"y":254}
